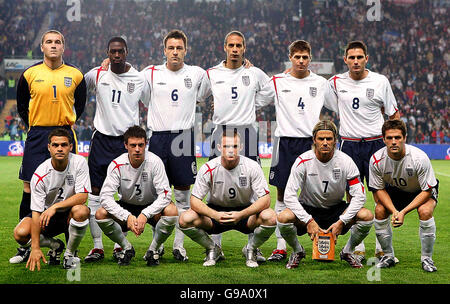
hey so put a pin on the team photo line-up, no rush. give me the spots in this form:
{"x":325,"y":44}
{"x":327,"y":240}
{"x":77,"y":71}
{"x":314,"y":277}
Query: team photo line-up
{"x":57,"y":183}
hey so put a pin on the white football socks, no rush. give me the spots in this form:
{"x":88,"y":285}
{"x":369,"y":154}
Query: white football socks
{"x":359,"y":231}
{"x":289,"y":233}
{"x":163,"y":229}
{"x":77,"y":231}
{"x":182,"y":201}
{"x":383,"y":231}
{"x":260,"y":235}
{"x":427,"y":234}
{"x":96,"y":232}
{"x":113,"y":231}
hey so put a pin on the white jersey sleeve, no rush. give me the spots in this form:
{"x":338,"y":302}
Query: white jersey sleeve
{"x":161,"y":186}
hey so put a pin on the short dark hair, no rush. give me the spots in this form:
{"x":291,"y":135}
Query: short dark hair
{"x":357,"y":44}
{"x":299,"y":46}
{"x":176,"y":34}
{"x":237,"y":33}
{"x":134,"y":131}
{"x":60,"y":132}
{"x":394,"y":124}
{"x":117,"y":39}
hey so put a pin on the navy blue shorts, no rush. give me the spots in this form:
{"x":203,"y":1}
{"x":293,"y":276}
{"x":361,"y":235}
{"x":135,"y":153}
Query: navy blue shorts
{"x":361,"y":152}
{"x":36,"y":150}
{"x":325,"y":217}
{"x":103,"y":150}
{"x":219,"y":228}
{"x":285,"y":152}
{"x":59,"y":223}
{"x":177,"y":151}
{"x":249,"y":137}
{"x":401,"y":199}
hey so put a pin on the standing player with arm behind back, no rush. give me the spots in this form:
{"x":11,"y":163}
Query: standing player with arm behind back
{"x":298,"y":97}
{"x":234,"y":88}
{"x":175,"y":88}
{"x":50,"y":94}
{"x":361,"y":97}
{"x":118,"y":91}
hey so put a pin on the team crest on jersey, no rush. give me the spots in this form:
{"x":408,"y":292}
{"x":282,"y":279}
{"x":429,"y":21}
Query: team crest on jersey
{"x":144,"y":177}
{"x":188,"y":82}
{"x":370,"y":93}
{"x":70,"y":180}
{"x":68,"y":81}
{"x":246,"y":80}
{"x":313,"y":91}
{"x":243,"y":181}
{"x":130,"y":87}
{"x":410,"y":171}
{"x":337,"y":173}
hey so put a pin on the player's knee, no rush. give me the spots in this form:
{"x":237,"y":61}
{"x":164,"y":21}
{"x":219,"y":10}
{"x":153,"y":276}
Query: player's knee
{"x":365,"y":215}
{"x":268,"y":217}
{"x":425,"y":212}
{"x":80,"y":213}
{"x":22,"y":232}
{"x":285,"y":216}
{"x":101,"y":214}
{"x":380,"y":212}
{"x":170,"y":210}
{"x":187,"y":218}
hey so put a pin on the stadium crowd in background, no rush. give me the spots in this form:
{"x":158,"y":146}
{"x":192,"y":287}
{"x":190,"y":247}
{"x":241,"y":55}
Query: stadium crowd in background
{"x":412,"y":53}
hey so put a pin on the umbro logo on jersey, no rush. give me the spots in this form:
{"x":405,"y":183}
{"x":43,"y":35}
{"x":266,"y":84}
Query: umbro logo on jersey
{"x":39,"y":80}
{"x":161,"y":83}
{"x":104,"y":83}
{"x":126,"y":180}
{"x":218,"y":182}
{"x":342,"y":91}
{"x":220,"y":82}
{"x":313,"y":174}
{"x":286,"y":91}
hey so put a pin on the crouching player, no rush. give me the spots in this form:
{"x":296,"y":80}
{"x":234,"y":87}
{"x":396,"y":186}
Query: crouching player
{"x":59,"y":190}
{"x":404,"y":180}
{"x":139,"y":179}
{"x":238,"y":199}
{"x":323,"y":175}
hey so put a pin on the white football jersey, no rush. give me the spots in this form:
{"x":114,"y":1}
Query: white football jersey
{"x":117,"y":98}
{"x":145,"y":185}
{"x":238,"y":187}
{"x":49,"y":186}
{"x":173,"y":96}
{"x":359,"y":103}
{"x":298,"y":102}
{"x":234,"y":92}
{"x":413,"y":173}
{"x":324,"y":185}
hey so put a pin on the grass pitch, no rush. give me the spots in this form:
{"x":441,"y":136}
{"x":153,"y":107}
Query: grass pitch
{"x":233,"y":269}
